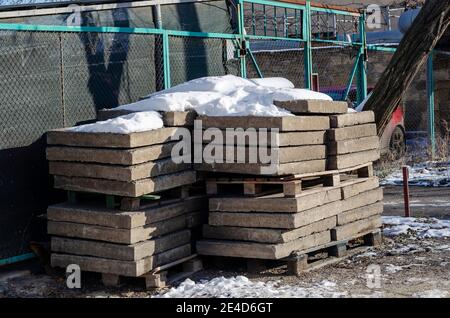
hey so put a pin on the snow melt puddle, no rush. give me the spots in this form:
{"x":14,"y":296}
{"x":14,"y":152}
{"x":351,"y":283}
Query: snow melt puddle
{"x":241,"y":286}
{"x":419,"y":227}
{"x":131,"y":123}
{"x":227,"y":95}
{"x":429,"y":174}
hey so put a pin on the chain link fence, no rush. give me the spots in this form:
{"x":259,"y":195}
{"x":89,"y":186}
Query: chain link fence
{"x":194,"y":57}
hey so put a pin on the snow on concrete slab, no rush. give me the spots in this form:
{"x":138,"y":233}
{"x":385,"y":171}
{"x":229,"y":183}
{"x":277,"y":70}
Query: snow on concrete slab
{"x":418,"y":227}
{"x":242,"y":287}
{"x":131,"y":123}
{"x":226,"y":96}
{"x":274,"y":82}
{"x":428,"y":174}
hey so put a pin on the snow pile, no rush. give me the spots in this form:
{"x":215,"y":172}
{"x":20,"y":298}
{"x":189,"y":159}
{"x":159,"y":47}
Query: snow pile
{"x":131,"y":123}
{"x":274,"y":82}
{"x":419,"y":227}
{"x":428,"y":174}
{"x":241,"y":286}
{"x":226,"y":96}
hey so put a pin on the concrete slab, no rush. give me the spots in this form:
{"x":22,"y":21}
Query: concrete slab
{"x":281,"y":169}
{"x":149,"y":213}
{"x":352,"y":119}
{"x":121,"y":252}
{"x":354,"y":187}
{"x":351,"y":230}
{"x":275,"y":220}
{"x":259,"y":250}
{"x":263,"y":235}
{"x":306,"y":200}
{"x":353,"y":145}
{"x":108,"y":140}
{"x":251,"y":155}
{"x":352,"y":132}
{"x":287,"y":123}
{"x":352,"y":159}
{"x":110,"y":156}
{"x":313,"y":106}
{"x":360,"y":213}
{"x":127,"y":189}
{"x":114,"y":235}
{"x":122,"y":268}
{"x":362,"y":199}
{"x":281,"y":139}
{"x":116,"y":172}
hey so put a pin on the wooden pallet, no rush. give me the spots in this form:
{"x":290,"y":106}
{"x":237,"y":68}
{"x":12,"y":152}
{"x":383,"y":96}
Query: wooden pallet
{"x":306,"y":260}
{"x":290,"y":186}
{"x":162,"y":276}
{"x":133,"y":204}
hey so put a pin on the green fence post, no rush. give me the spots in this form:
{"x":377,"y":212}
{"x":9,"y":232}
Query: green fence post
{"x":308,"y":49}
{"x":431,"y":109}
{"x":362,"y":72}
{"x":166,"y":60}
{"x":243,"y":44}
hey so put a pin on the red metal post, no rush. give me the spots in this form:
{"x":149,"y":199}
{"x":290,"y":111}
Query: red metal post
{"x":406,"y":190}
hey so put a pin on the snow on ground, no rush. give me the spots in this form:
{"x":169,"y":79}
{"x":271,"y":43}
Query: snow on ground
{"x":135,"y":122}
{"x":241,"y":287}
{"x":427,"y":174}
{"x":418,"y":227}
{"x":226,"y":96}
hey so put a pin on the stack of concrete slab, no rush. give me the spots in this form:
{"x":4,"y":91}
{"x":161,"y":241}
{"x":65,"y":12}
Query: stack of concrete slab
{"x":129,"y":165}
{"x":296,"y":143}
{"x":131,"y":206}
{"x":270,"y":227}
{"x":124,"y":243}
{"x":361,"y":208}
{"x":352,"y":140}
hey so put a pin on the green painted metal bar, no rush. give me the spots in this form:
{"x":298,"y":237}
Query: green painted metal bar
{"x":166,"y":60}
{"x":255,"y":63}
{"x":431,"y":105}
{"x":362,"y":70}
{"x":16,"y":259}
{"x":240,"y":11}
{"x":262,"y":37}
{"x":201,"y":34}
{"x":63,"y":28}
{"x":381,"y":48}
{"x":307,"y":55}
{"x":351,"y":78}
{"x":78,"y":29}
